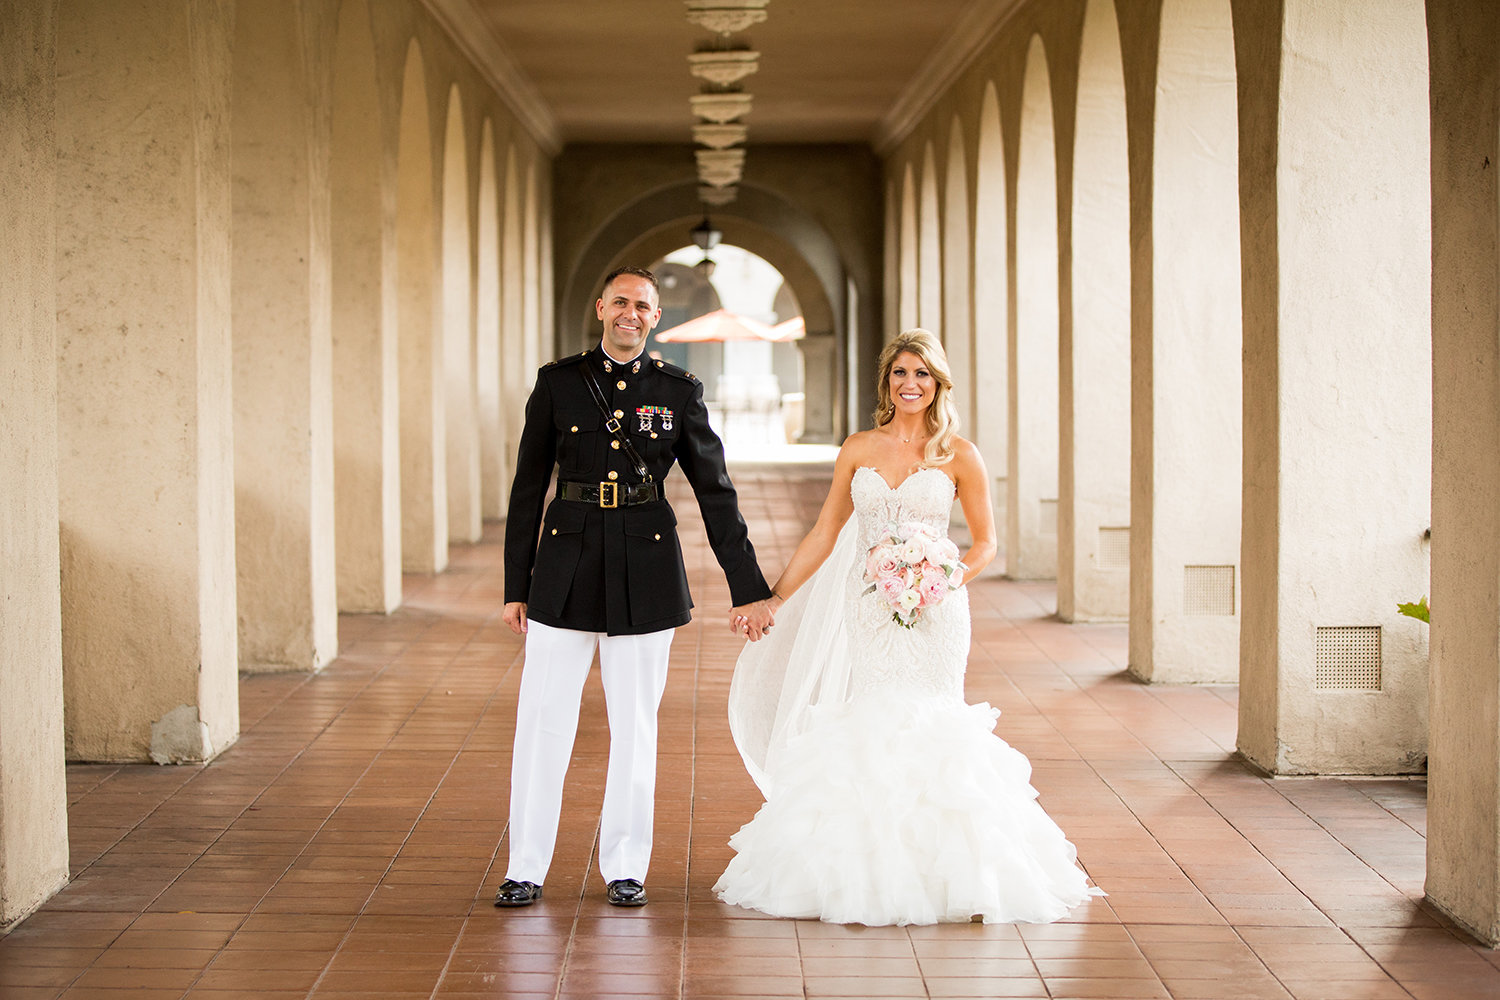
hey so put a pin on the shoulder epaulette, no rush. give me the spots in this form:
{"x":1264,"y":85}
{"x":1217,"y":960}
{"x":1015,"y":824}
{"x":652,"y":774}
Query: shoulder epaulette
{"x":666,"y":367}
{"x":571,"y":359}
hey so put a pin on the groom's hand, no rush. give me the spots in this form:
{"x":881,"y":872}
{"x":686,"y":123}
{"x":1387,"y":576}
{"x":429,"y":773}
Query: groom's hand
{"x":514,"y":615}
{"x":751,"y":620}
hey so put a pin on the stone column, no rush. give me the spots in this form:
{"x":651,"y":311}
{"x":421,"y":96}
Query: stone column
{"x":460,"y":375}
{"x":1463,"y":792}
{"x":1334,"y":197}
{"x":367,"y":486}
{"x":33,"y":791}
{"x":283,"y":379}
{"x":1185,"y":353}
{"x":145,"y":444}
{"x":819,"y":377}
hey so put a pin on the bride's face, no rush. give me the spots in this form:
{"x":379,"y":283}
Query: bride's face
{"x":913,"y":387}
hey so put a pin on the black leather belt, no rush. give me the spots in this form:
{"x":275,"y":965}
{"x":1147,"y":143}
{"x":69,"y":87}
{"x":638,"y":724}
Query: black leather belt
{"x":608,"y":494}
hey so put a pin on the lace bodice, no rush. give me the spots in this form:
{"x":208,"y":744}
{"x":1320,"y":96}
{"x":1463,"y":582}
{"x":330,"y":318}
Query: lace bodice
{"x":928,"y":658}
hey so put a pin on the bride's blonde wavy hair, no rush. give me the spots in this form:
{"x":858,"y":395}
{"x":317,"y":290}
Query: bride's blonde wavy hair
{"x":942,"y":414}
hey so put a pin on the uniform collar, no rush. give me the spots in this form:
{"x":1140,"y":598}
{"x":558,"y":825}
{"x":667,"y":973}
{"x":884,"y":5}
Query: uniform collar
{"x":610,"y":366}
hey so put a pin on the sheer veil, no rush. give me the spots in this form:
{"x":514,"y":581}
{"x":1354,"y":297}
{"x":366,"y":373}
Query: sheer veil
{"x":804,"y":662}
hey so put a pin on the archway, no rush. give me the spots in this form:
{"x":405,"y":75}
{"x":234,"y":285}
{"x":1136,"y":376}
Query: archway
{"x":424,"y":486}
{"x":957,"y":331}
{"x":992,"y":310}
{"x":487,"y":332}
{"x":1185,"y":488}
{"x":929,"y":248}
{"x":1093,"y":546}
{"x":909,"y":291}
{"x":1031,"y":524}
{"x":461,"y":387}
{"x":366,"y":430}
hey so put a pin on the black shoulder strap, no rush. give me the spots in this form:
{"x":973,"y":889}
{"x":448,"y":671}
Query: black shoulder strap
{"x":614,"y":425}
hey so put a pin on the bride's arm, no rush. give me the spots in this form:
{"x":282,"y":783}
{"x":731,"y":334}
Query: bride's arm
{"x":819,"y":541}
{"x":973,"y":484}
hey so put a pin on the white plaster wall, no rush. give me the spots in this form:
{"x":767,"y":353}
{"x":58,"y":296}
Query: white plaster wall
{"x":1031,"y":551}
{"x":1352,"y":384}
{"x":992,"y":311}
{"x":33,"y":794}
{"x":490,"y":421}
{"x":958,"y":319}
{"x":514,"y":378}
{"x":1194,"y":378}
{"x":461,"y":386}
{"x":144,"y":385}
{"x":910,"y":289}
{"x":1095,"y":351}
{"x":424,"y":485}
{"x":929,"y":249}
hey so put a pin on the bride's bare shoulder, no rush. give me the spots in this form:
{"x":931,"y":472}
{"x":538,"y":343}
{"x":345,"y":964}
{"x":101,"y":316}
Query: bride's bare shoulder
{"x":857,"y":449}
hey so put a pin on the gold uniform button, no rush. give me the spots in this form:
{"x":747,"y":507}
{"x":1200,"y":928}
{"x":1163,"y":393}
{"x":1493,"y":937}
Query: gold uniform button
{"x":653,"y":435}
{"x":554,"y":531}
{"x":615,"y":445}
{"x":575,"y":428}
{"x":620,"y":384}
{"x":619,"y":414}
{"x":613,"y":474}
{"x":657,"y":537}
{"x":660,"y":363}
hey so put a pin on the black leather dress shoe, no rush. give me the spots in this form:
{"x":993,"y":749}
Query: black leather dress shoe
{"x":513,"y":893}
{"x":625,"y":892}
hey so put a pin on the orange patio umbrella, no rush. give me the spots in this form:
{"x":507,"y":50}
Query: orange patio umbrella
{"x":789,"y":329}
{"x":719,"y":325}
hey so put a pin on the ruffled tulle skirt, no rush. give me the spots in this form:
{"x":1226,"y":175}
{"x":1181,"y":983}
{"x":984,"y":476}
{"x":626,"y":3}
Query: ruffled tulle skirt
{"x":889,"y":810}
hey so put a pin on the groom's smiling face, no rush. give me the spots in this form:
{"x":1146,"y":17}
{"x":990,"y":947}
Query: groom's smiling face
{"x":629,"y":311}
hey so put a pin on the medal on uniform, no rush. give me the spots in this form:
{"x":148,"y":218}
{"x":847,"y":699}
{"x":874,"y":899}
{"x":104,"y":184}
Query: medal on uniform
{"x":647,"y":416}
{"x":666,"y":419}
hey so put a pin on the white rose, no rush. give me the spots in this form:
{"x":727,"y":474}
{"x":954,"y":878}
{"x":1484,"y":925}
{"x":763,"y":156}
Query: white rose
{"x":908,"y":600}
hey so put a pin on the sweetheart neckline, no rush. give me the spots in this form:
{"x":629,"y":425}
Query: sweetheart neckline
{"x":897,"y":488}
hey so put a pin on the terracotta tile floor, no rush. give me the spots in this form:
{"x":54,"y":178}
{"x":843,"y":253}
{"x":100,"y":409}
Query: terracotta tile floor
{"x":350,"y":843}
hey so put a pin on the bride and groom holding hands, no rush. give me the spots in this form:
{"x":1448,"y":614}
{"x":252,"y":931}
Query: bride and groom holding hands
{"x":889,"y":800}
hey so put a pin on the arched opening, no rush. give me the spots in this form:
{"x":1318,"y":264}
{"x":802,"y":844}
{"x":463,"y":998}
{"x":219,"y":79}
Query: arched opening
{"x":513,"y":371}
{"x":531,"y":294}
{"x":1338,"y":389}
{"x":957,"y":330}
{"x":366,"y":430}
{"x":1031,"y":525}
{"x":1185,"y":492}
{"x":750,"y":364}
{"x":929,"y":249}
{"x":909,"y":292}
{"x":992,"y":310}
{"x":761,"y":221}
{"x":424,"y":486}
{"x":461,"y":387}
{"x":1093,"y":547}
{"x":487,"y":331}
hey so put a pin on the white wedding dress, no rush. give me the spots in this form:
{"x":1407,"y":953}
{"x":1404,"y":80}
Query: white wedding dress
{"x":889,"y":799}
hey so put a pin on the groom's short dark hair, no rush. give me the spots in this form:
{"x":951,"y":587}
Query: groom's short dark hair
{"x":639,"y":272}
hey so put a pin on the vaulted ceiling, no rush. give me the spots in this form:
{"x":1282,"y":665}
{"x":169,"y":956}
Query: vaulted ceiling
{"x":617,"y":71}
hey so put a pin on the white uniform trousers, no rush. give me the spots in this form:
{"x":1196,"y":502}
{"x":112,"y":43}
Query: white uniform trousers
{"x":634,"y":671}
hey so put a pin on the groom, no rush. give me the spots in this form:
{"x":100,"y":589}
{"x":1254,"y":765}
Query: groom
{"x":607,"y":573}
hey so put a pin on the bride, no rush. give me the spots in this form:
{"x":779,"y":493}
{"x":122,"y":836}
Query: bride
{"x":889,"y":800}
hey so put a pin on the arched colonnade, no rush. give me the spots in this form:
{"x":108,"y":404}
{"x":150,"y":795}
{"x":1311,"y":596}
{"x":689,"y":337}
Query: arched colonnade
{"x":262,"y":362}
{"x":1229,"y":362}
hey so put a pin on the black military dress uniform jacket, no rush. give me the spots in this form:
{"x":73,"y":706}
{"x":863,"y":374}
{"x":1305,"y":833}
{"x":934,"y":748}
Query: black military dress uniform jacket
{"x":617,"y":569}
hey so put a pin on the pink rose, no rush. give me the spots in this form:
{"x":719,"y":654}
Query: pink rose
{"x":891,"y":588}
{"x":933,"y":588}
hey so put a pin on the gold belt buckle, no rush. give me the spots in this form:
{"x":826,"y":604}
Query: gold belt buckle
{"x":613,"y":494}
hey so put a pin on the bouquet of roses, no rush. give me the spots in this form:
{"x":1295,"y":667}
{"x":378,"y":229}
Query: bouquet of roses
{"x":912,"y":567}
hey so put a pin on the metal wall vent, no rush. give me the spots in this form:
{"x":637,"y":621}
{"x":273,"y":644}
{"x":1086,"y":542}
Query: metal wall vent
{"x":1208,"y":590}
{"x":1114,"y":548}
{"x":1348,"y":658}
{"x":1047,"y":517}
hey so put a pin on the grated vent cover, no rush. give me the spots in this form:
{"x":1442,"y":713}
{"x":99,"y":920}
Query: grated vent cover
{"x":1114,"y":548}
{"x":1208,"y":590}
{"x":1348,"y":658}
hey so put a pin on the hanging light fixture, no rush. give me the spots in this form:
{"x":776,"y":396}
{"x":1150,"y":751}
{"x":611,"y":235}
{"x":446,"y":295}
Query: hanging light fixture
{"x":705,"y":237}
